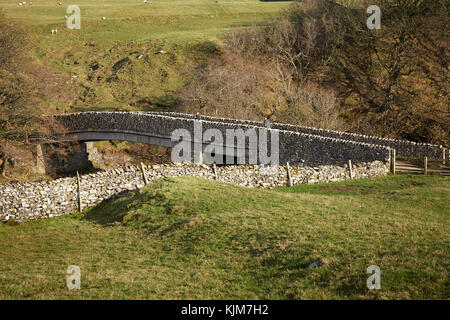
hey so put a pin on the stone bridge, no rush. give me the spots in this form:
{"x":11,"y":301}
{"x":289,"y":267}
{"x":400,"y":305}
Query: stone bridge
{"x":297,"y":144}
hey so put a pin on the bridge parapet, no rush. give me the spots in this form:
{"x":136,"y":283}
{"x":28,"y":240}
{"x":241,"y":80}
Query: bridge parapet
{"x":157,"y":128}
{"x":404,"y":148}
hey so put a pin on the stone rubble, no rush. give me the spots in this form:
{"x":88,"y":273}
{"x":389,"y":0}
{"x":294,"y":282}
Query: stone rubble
{"x":27,"y":201}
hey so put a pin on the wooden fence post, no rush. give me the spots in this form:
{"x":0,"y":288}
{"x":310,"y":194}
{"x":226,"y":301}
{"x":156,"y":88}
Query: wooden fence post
{"x":350,"y":169}
{"x":79,"y":204}
{"x":425,"y":165}
{"x":393,"y":161}
{"x":40,"y":164}
{"x":215,"y":171}
{"x":288,"y":169}
{"x":144,"y":174}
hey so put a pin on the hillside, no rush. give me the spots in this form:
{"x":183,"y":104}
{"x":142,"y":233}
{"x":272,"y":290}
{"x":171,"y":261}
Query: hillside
{"x":198,"y":239}
{"x":113,"y":63}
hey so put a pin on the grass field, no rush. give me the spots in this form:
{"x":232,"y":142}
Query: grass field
{"x":168,"y":19}
{"x":193,"y":238}
{"x":112,"y":64}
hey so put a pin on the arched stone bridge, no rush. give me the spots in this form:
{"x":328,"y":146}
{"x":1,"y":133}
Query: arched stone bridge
{"x":297,"y":144}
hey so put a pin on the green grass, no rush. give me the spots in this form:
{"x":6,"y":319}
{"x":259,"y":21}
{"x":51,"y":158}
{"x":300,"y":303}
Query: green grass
{"x":169,"y":19}
{"x":199,"y":239}
{"x":188,"y":30}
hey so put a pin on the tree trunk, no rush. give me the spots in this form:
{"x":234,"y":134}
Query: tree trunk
{"x":3,"y":166}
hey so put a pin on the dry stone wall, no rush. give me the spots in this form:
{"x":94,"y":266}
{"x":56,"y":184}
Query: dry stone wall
{"x":405,"y":149}
{"x":294,"y":147}
{"x":27,"y":201}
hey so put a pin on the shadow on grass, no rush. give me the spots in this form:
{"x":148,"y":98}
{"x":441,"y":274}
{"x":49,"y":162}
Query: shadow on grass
{"x":111,"y":210}
{"x":150,"y":209}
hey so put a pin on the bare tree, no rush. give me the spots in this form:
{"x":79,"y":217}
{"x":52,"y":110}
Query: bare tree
{"x":22,"y":115}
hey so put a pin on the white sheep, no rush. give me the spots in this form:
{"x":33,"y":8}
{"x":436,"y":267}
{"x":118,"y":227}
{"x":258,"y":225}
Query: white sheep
{"x":103,"y":18}
{"x":20,"y":3}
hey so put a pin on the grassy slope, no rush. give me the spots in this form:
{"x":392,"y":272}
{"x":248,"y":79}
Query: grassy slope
{"x":173,"y":19}
{"x":188,"y":30}
{"x":195,"y":238}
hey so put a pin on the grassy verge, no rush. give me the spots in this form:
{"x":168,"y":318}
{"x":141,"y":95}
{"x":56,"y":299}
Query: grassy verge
{"x":195,"y":238}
